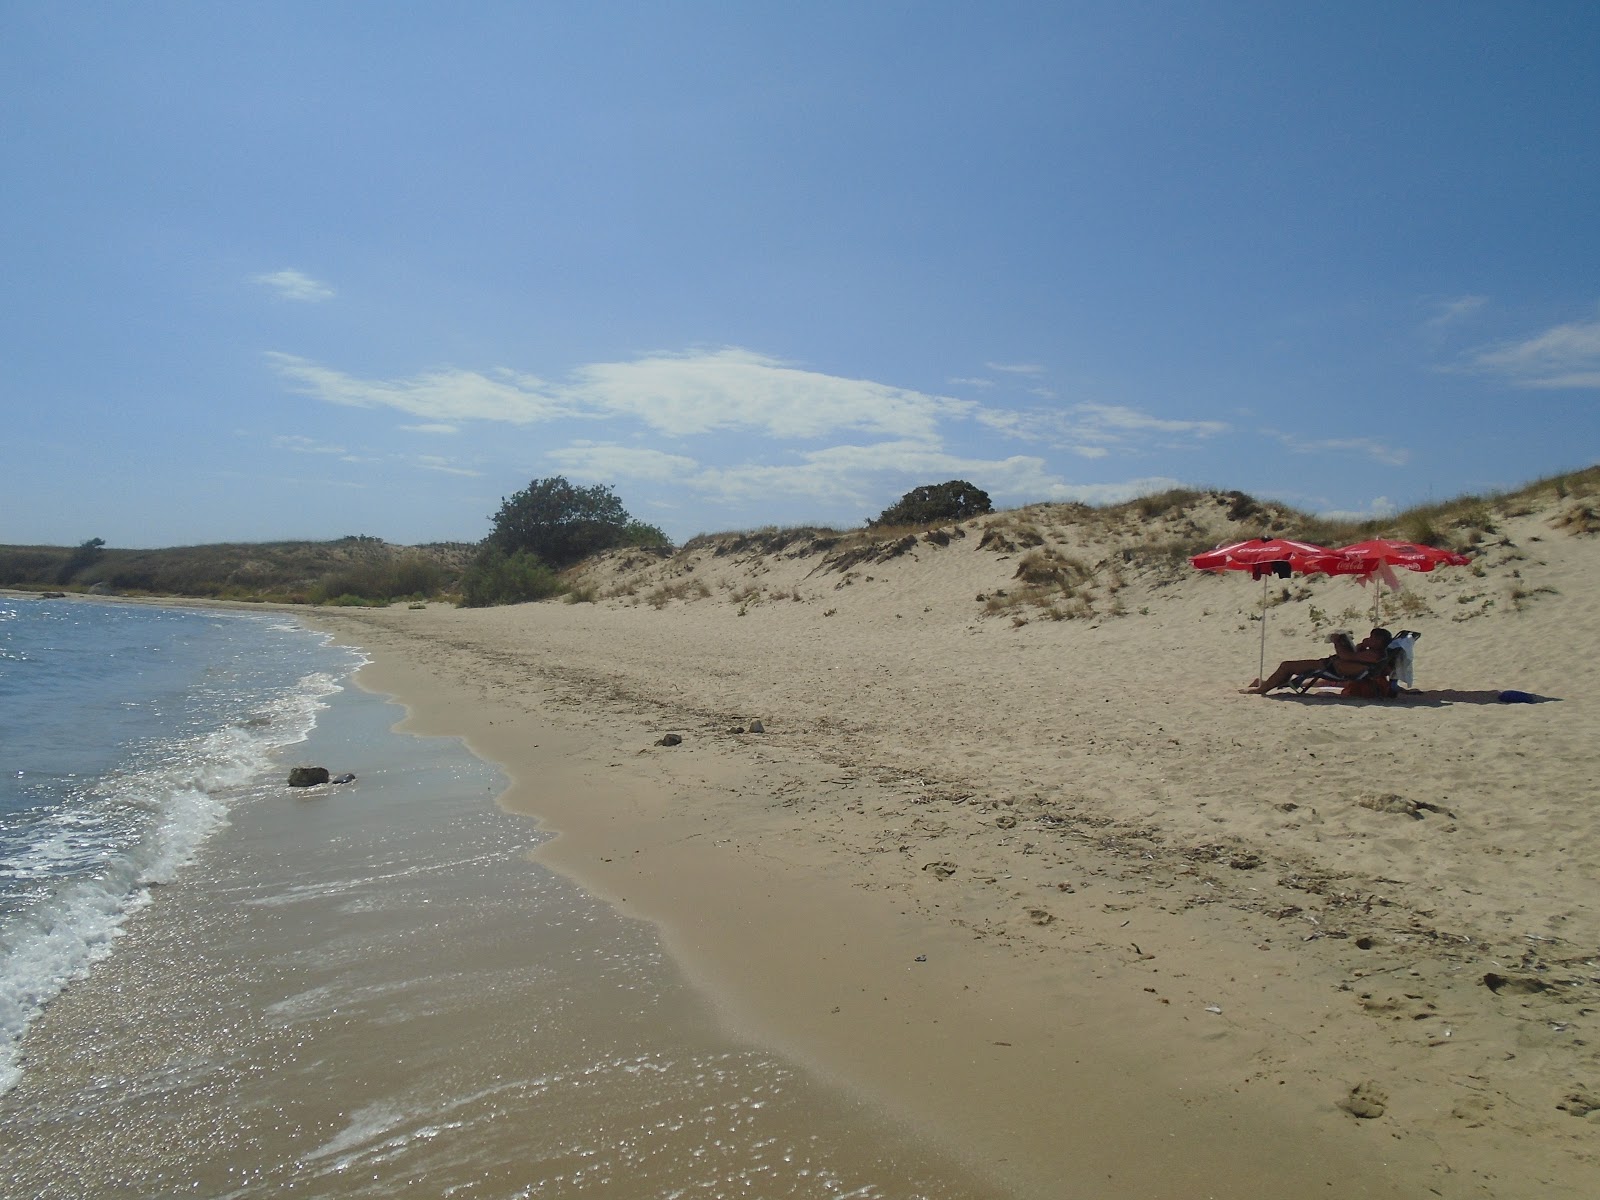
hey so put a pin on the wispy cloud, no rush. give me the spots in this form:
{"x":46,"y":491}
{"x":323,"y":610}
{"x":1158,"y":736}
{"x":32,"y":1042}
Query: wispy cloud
{"x":298,"y":444}
{"x":678,"y":395}
{"x":1393,"y":456}
{"x":1566,"y":356}
{"x":290,"y":284}
{"x":432,"y":462}
{"x":605,"y":461}
{"x":303,"y":445}
{"x":830,"y":440}
{"x":1016,"y":368}
{"x":444,"y":396}
{"x":1449,"y":312}
{"x":1097,"y":430}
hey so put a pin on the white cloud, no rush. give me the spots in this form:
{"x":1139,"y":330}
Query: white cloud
{"x":1380,"y":508}
{"x":295,"y":285}
{"x":1567,"y":356}
{"x":703,"y":392}
{"x":1016,"y":368}
{"x":970,"y":381}
{"x":733,"y":389}
{"x":430,"y":428}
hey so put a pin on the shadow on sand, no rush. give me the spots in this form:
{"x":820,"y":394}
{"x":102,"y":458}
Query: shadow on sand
{"x":1434,"y":699}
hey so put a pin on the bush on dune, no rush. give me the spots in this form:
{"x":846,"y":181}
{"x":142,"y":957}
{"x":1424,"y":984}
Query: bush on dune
{"x":496,"y":577}
{"x":955,"y":500}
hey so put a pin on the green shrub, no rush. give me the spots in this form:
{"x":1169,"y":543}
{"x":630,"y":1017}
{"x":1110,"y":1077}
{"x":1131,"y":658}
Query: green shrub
{"x":637,"y":533}
{"x":496,"y":577}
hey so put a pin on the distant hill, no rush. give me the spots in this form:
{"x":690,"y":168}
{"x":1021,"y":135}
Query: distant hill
{"x":350,"y":569}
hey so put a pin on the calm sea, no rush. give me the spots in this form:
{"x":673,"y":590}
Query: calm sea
{"x":126,"y":735}
{"x":211,"y":985}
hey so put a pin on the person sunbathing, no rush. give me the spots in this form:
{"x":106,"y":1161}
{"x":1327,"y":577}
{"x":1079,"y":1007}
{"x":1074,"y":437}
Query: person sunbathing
{"x":1348,"y":660}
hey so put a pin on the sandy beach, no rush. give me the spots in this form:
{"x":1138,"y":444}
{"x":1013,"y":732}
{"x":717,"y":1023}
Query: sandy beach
{"x":1050,"y":889}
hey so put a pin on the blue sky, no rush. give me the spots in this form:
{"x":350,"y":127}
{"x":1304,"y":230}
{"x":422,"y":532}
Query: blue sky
{"x":307,"y":270}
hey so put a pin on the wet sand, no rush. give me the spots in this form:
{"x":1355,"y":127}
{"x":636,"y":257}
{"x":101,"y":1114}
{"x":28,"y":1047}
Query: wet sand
{"x":370,"y":990}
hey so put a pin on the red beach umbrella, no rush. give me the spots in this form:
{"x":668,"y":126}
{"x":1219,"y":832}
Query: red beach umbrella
{"x":1262,"y":556}
{"x":1379,"y":558}
{"x":1281,"y":557}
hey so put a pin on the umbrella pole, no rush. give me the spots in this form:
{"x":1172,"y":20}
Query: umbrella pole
{"x":1261,"y":671}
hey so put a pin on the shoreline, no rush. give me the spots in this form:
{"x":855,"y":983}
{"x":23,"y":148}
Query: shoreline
{"x":1022,"y":1067}
{"x":369,"y":989}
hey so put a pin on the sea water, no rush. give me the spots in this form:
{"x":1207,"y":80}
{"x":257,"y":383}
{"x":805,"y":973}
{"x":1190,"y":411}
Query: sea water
{"x":126,"y":734}
{"x":230,"y":988}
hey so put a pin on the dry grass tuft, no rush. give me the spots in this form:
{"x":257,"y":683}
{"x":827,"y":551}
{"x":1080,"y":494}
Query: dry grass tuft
{"x":1579,"y":519}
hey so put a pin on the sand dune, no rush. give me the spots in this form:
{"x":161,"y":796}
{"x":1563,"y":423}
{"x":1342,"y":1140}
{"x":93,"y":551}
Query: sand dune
{"x":1013,"y":854}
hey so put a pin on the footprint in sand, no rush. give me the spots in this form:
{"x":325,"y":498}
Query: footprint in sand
{"x":1366,"y":1100}
{"x":1398,"y":1006}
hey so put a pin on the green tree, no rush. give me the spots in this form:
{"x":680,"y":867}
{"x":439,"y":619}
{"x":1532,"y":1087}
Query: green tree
{"x":953,"y":501}
{"x":561,"y":523}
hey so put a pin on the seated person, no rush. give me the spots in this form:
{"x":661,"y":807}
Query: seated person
{"x":1349,"y":660}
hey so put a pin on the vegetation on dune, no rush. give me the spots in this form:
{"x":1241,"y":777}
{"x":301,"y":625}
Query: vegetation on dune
{"x":357,"y":569}
{"x":549,"y":525}
{"x":496,"y":577}
{"x":1073,"y":561}
{"x":562,"y":524}
{"x":955,"y":500}
{"x":543,"y":534}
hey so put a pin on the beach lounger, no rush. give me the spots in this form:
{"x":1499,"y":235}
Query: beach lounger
{"x":1379,"y":681}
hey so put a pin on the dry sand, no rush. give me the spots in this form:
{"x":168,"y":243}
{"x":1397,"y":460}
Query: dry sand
{"x":1051,"y":888}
